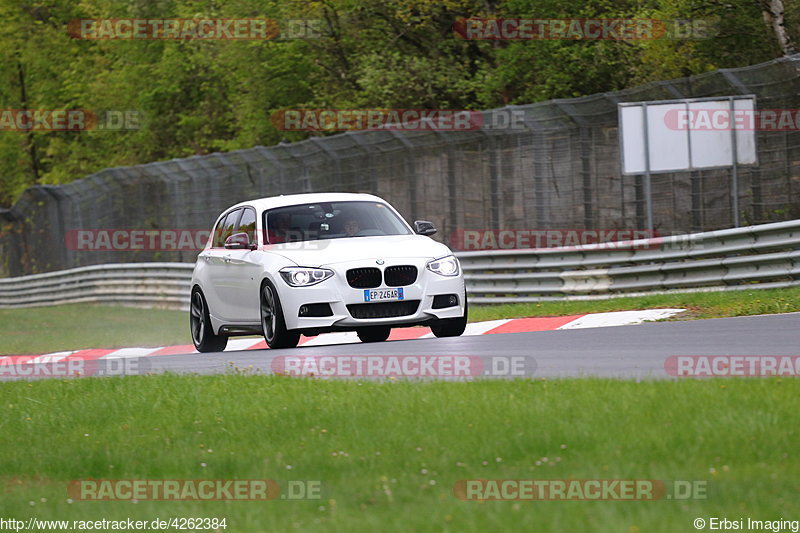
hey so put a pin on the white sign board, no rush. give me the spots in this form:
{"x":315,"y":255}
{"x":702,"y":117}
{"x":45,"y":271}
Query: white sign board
{"x":667,"y":136}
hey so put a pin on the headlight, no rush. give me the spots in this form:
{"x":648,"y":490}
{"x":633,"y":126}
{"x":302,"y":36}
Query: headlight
{"x":445,"y":266}
{"x":303,"y":277}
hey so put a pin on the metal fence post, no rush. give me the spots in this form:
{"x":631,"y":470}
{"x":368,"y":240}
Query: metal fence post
{"x":648,"y":190}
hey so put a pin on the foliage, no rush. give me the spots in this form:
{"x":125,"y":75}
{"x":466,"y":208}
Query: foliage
{"x":197,"y":97}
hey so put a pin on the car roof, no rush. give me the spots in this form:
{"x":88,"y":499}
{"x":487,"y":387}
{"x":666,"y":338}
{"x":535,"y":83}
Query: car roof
{"x":272,"y":202}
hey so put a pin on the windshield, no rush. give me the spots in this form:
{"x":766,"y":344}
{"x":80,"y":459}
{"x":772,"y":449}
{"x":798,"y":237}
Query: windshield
{"x":331,"y":220}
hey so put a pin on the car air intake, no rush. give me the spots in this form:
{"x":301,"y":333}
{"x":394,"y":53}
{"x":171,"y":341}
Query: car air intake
{"x":364,"y":278}
{"x":383,"y":309}
{"x":313,"y":310}
{"x":440,"y":301}
{"x":399,"y":276}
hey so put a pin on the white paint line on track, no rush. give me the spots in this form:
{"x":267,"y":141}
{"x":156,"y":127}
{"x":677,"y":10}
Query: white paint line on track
{"x":479,"y":328}
{"x":476,"y":328}
{"x":339,"y":337}
{"x":241,"y":344}
{"x":51,"y":358}
{"x":124,"y":353}
{"x":619,"y":318}
{"x":48,"y":358}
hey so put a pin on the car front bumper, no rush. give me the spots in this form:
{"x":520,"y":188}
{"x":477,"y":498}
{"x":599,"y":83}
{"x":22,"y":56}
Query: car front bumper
{"x":336,"y":292}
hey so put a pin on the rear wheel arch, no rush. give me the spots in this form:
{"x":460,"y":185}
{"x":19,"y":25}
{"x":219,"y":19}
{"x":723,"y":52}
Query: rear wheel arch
{"x":201,"y":328}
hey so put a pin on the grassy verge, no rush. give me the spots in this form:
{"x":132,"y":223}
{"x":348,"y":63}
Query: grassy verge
{"x":388,"y":455}
{"x":699,"y":305}
{"x":72,"y":327}
{"x":41,"y":330}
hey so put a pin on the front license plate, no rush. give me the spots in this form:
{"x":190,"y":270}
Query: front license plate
{"x":379,"y":295}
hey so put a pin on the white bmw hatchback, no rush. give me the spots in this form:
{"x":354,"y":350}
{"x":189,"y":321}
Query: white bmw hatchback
{"x":307,"y":264}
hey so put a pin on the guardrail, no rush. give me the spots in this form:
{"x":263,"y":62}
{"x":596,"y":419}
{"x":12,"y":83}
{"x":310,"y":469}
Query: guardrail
{"x":767,"y":255}
{"x":764,"y":256}
{"x":134,"y":284}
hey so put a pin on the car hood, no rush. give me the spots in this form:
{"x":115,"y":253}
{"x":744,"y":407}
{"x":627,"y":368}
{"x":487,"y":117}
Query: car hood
{"x":332,"y":251}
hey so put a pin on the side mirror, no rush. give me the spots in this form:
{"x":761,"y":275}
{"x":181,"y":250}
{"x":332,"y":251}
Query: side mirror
{"x":238,"y":241}
{"x":423,"y":227}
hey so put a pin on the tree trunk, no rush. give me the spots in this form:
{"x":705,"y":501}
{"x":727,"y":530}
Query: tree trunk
{"x":773,"y":15}
{"x":30,"y":140}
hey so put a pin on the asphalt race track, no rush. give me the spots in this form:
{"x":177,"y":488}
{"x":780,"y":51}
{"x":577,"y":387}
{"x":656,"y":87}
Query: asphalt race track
{"x":633,"y":352}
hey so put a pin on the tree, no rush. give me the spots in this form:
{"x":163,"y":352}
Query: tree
{"x":774,"y":16}
{"x":198,"y":96}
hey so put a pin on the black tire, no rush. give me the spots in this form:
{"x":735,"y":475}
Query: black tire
{"x":273,"y":325}
{"x":203,"y":336}
{"x":374,"y":333}
{"x":452,"y":327}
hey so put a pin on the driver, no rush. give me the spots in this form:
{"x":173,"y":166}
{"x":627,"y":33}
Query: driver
{"x":351,"y":227}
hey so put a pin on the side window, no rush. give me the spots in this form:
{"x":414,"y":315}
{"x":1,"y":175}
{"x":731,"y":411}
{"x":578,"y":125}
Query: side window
{"x":218,"y":241}
{"x":247,"y":224}
{"x":225,"y":228}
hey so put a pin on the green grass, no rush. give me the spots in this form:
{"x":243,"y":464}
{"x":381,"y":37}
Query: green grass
{"x":388,"y":454}
{"x":39,"y":330}
{"x":699,"y":305}
{"x":71,"y":327}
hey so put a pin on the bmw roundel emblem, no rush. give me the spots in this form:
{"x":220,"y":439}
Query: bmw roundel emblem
{"x":379,"y":261}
